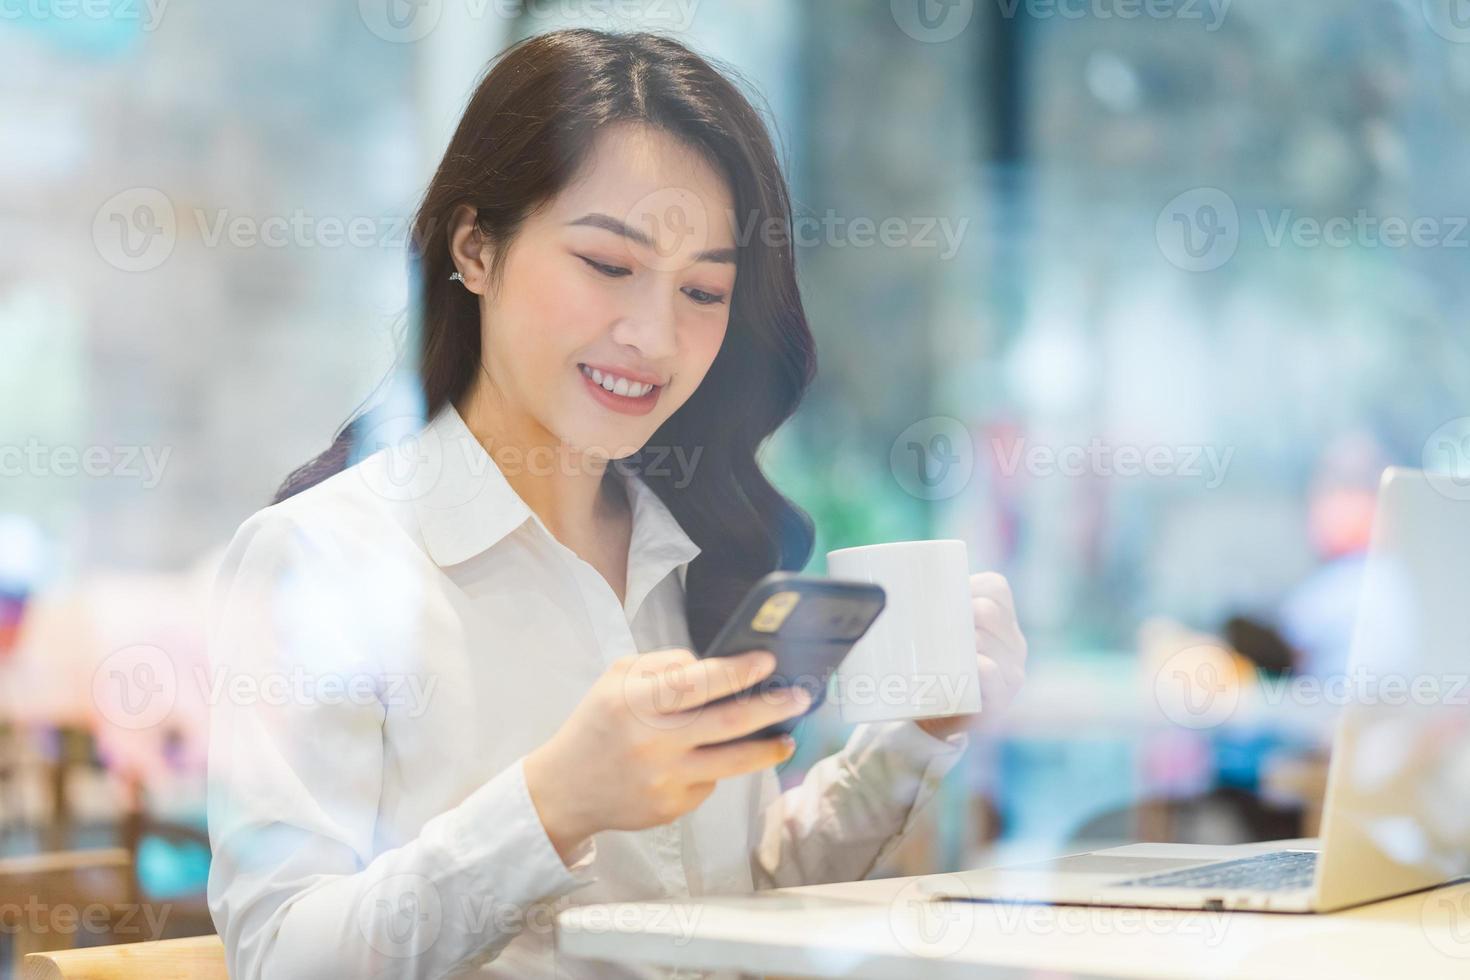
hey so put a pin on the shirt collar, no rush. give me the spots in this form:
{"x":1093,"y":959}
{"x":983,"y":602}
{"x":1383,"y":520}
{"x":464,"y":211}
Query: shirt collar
{"x":464,"y":505}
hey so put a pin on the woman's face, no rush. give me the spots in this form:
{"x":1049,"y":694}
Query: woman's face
{"x":622,"y":281}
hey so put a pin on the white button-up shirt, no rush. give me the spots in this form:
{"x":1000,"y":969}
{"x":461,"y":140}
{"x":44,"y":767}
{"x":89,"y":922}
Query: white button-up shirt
{"x":390,"y":644}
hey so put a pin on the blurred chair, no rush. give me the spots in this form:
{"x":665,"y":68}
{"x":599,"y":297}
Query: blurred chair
{"x":1224,"y":815}
{"x":75,"y":881}
{"x":76,"y":759}
{"x":12,"y":807}
{"x":188,"y":914}
{"x":108,"y":885}
{"x":1300,"y":780}
{"x":196,"y":958}
{"x":76,"y":756}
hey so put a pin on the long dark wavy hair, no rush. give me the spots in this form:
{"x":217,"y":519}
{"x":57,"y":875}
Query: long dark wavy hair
{"x":524,"y":134}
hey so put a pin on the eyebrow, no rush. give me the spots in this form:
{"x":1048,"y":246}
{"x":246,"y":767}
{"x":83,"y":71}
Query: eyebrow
{"x":608,"y":223}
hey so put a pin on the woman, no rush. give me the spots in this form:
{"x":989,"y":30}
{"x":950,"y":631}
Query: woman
{"x":485,"y":706}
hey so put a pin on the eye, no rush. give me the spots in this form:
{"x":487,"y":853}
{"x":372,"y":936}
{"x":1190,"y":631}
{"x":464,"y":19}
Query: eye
{"x":703,"y":298}
{"x":611,"y":271}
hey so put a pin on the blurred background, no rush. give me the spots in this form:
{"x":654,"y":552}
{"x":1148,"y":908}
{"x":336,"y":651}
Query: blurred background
{"x":1136,"y":297}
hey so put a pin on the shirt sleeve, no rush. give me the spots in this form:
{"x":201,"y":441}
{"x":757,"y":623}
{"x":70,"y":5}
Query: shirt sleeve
{"x":297,"y":887}
{"x":853,"y":808}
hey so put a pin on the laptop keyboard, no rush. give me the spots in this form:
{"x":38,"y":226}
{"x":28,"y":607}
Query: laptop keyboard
{"x":1272,"y":872}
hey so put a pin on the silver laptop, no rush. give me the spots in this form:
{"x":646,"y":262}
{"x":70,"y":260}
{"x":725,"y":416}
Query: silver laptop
{"x":1394,"y":819}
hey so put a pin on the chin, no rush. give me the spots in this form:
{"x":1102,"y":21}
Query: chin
{"x":605,"y":442}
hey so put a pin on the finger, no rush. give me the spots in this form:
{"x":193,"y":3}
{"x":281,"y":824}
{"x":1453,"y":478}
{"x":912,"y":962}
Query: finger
{"x":669,"y":658}
{"x":1000,"y":624}
{"x":743,"y":714}
{"x":724,"y":761}
{"x":992,"y":585}
{"x":722,"y":676}
{"x":1008,"y":653}
{"x":658,"y":681}
{"x":992,"y":694}
{"x":999,"y":682}
{"x":679,"y":685}
{"x":697,"y":793}
{"x":995,"y":693}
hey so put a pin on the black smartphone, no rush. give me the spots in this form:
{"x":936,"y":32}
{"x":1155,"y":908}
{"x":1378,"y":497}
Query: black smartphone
{"x":809,"y":623}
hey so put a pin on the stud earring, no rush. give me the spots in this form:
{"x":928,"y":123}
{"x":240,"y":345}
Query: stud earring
{"x":456,"y":277}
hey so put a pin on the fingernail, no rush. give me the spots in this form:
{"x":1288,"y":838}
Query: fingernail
{"x":765,"y":661}
{"x":788,"y":744}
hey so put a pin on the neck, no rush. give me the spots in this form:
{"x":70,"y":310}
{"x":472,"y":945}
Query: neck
{"x":565,"y":487}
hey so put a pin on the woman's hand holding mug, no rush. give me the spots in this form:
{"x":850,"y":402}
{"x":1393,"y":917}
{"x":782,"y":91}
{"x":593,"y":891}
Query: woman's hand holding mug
{"x":1001,"y":649}
{"x":947,"y":650}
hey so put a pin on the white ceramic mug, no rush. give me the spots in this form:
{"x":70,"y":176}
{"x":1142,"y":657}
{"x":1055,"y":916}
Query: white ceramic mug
{"x":918,"y":659}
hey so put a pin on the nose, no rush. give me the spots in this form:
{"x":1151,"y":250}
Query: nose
{"x":650,"y":324}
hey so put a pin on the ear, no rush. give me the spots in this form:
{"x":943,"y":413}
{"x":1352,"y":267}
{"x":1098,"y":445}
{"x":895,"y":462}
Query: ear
{"x":469,"y":250}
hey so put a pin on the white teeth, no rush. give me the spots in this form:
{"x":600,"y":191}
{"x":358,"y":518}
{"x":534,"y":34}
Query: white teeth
{"x":616,"y":385}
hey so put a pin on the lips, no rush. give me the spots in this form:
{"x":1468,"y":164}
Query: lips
{"x":597,"y":381}
{"x":626,"y":383}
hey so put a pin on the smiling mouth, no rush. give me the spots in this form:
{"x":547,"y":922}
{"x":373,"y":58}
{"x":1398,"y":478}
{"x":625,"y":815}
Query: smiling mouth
{"x":615,"y":385}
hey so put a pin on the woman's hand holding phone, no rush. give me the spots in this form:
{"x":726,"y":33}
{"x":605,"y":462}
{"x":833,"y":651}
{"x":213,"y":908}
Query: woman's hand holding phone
{"x":639,"y":749}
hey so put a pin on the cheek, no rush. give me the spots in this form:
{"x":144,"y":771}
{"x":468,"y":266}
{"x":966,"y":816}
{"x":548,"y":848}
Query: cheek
{"x":573,"y":309}
{"x":708,"y":339}
{"x":698,"y":345}
{"x":702,"y":343}
{"x":550,"y":317}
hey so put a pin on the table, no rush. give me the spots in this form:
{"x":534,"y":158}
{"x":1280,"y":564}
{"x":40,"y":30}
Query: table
{"x":883,"y":929}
